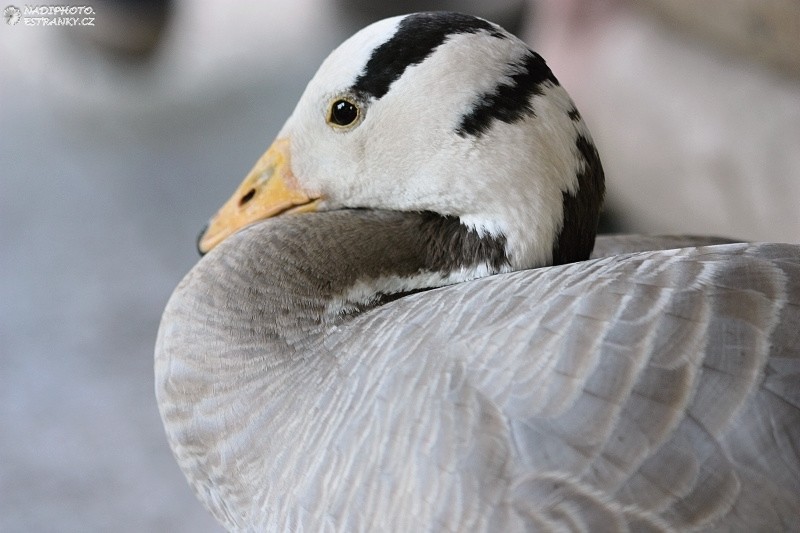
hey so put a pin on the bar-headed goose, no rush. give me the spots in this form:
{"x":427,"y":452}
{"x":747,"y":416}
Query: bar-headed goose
{"x":307,"y":382}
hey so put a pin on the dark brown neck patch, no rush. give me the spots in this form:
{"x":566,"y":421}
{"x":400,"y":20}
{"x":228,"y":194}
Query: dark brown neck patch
{"x":452,"y":246}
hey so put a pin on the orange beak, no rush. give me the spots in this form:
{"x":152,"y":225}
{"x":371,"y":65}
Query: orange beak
{"x":269,"y":190}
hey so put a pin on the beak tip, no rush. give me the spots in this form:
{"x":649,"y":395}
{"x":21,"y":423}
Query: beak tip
{"x":200,"y":240}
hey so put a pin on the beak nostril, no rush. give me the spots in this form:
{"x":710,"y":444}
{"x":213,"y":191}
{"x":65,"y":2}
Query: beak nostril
{"x":247,"y":197}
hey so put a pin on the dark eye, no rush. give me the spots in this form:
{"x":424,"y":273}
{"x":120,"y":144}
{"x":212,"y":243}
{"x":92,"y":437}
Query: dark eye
{"x":343,"y":113}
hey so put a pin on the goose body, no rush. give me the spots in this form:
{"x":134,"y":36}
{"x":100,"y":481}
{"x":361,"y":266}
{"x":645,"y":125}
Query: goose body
{"x":309,"y":380}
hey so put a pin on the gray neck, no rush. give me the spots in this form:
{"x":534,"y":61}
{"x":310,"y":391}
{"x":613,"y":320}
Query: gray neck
{"x":273,"y":287}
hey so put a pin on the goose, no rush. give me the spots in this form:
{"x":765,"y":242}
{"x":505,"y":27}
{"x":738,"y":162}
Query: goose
{"x":403,"y":321}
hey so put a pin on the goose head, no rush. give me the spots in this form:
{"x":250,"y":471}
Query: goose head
{"x":435,"y":112}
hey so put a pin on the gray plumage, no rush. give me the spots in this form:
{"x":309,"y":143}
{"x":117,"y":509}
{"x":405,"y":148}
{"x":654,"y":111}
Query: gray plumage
{"x":647,"y":391}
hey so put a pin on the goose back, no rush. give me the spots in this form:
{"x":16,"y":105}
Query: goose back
{"x":654,"y":390}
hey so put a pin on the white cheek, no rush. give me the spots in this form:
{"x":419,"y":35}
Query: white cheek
{"x":324,"y":160}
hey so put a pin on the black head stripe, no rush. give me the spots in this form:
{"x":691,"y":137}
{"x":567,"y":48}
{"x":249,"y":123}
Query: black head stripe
{"x":416,"y":38}
{"x":574,"y":115}
{"x":581,"y":210}
{"x":508,"y":102}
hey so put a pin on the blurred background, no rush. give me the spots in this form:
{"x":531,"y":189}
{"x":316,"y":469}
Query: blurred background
{"x":118,"y":141}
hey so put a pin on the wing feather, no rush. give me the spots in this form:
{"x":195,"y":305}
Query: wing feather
{"x":649,"y":389}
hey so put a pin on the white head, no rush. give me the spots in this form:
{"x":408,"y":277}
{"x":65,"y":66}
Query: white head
{"x":446,"y":113}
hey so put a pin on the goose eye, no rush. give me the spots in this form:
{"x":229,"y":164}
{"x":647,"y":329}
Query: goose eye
{"x":343,"y":113}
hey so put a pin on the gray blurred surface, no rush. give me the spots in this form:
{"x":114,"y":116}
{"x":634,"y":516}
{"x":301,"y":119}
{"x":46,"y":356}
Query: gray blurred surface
{"x":695,"y":137}
{"x":98,"y":225}
{"x":109,"y":166}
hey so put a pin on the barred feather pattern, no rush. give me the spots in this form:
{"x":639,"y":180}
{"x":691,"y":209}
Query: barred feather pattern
{"x":648,"y":391}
